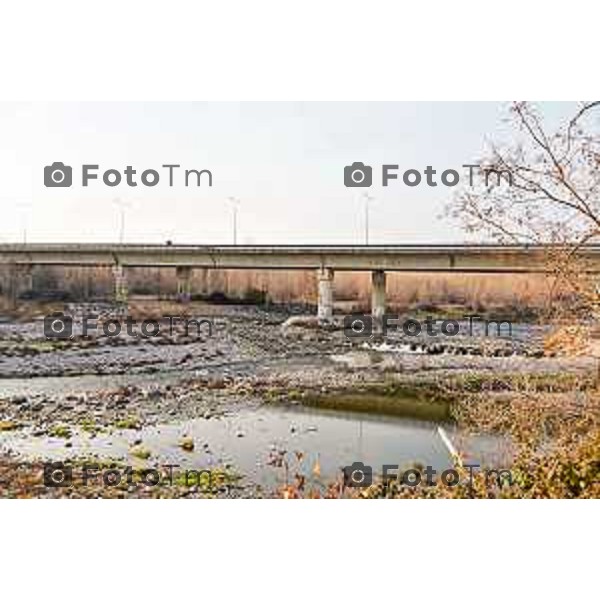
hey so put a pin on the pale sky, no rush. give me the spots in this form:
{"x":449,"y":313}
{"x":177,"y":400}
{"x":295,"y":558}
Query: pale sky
{"x":283,"y":161}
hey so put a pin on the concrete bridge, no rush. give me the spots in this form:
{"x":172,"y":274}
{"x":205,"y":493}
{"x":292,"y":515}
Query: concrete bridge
{"x":325,"y":259}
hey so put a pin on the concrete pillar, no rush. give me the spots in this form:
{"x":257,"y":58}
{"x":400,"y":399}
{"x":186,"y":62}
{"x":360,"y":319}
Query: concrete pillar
{"x":377,"y":299}
{"x":184,"y":284}
{"x":204,"y":282}
{"x":20,"y":281}
{"x":325,"y":308}
{"x":121,"y":289}
{"x":26,"y":278}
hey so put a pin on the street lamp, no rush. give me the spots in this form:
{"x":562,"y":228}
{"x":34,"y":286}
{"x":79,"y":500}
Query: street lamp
{"x":367,"y":199}
{"x":24,"y":207}
{"x":122,"y":205}
{"x":234,"y":206}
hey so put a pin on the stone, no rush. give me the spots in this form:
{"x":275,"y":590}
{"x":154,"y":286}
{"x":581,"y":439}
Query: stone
{"x":187,"y":444}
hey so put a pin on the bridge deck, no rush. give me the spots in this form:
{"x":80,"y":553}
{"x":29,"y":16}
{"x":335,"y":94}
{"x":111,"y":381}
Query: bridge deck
{"x":431,"y":257}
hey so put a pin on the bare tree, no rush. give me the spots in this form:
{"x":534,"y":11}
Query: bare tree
{"x":549,"y":191}
{"x":545,"y":190}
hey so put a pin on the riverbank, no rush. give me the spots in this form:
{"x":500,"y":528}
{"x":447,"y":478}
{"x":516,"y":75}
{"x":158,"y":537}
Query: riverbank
{"x":271,"y":405}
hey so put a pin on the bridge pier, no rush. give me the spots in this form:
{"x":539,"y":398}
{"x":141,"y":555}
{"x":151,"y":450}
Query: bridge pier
{"x":325,"y":306}
{"x":26,"y":277}
{"x":20,"y":280}
{"x":184,"y":284}
{"x":204,"y":287}
{"x":378,"y":280}
{"x":120,"y":281}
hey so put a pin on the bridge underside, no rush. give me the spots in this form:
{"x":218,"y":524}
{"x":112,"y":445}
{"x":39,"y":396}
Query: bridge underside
{"x":431,"y":258}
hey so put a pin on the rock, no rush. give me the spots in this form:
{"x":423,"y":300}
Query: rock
{"x":187,"y":444}
{"x":140,"y":452}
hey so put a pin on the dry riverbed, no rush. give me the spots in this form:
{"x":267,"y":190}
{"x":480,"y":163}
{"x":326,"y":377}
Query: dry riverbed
{"x":263,"y":399}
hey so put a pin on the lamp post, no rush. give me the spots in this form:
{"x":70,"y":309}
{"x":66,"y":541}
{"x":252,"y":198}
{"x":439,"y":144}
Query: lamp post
{"x":122,"y":205}
{"x":367,"y":200}
{"x":24,"y":208}
{"x":234,"y":206}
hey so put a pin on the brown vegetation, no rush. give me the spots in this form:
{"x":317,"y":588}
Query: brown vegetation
{"x":404,"y":289}
{"x":554,"y":427}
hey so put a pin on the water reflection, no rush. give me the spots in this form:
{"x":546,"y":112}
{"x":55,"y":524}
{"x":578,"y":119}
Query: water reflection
{"x":247,"y":439}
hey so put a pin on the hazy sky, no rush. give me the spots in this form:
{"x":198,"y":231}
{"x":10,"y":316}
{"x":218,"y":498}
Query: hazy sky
{"x":284,"y":161}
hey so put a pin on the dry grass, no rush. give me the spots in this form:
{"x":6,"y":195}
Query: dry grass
{"x":410,"y":289}
{"x":555,"y":436}
{"x":404,"y":289}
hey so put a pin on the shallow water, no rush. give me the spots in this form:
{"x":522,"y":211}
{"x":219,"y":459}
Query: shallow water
{"x":60,"y":386}
{"x":248,"y":440}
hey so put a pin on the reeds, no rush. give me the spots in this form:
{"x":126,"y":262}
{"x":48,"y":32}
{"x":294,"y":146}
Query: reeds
{"x":404,"y":289}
